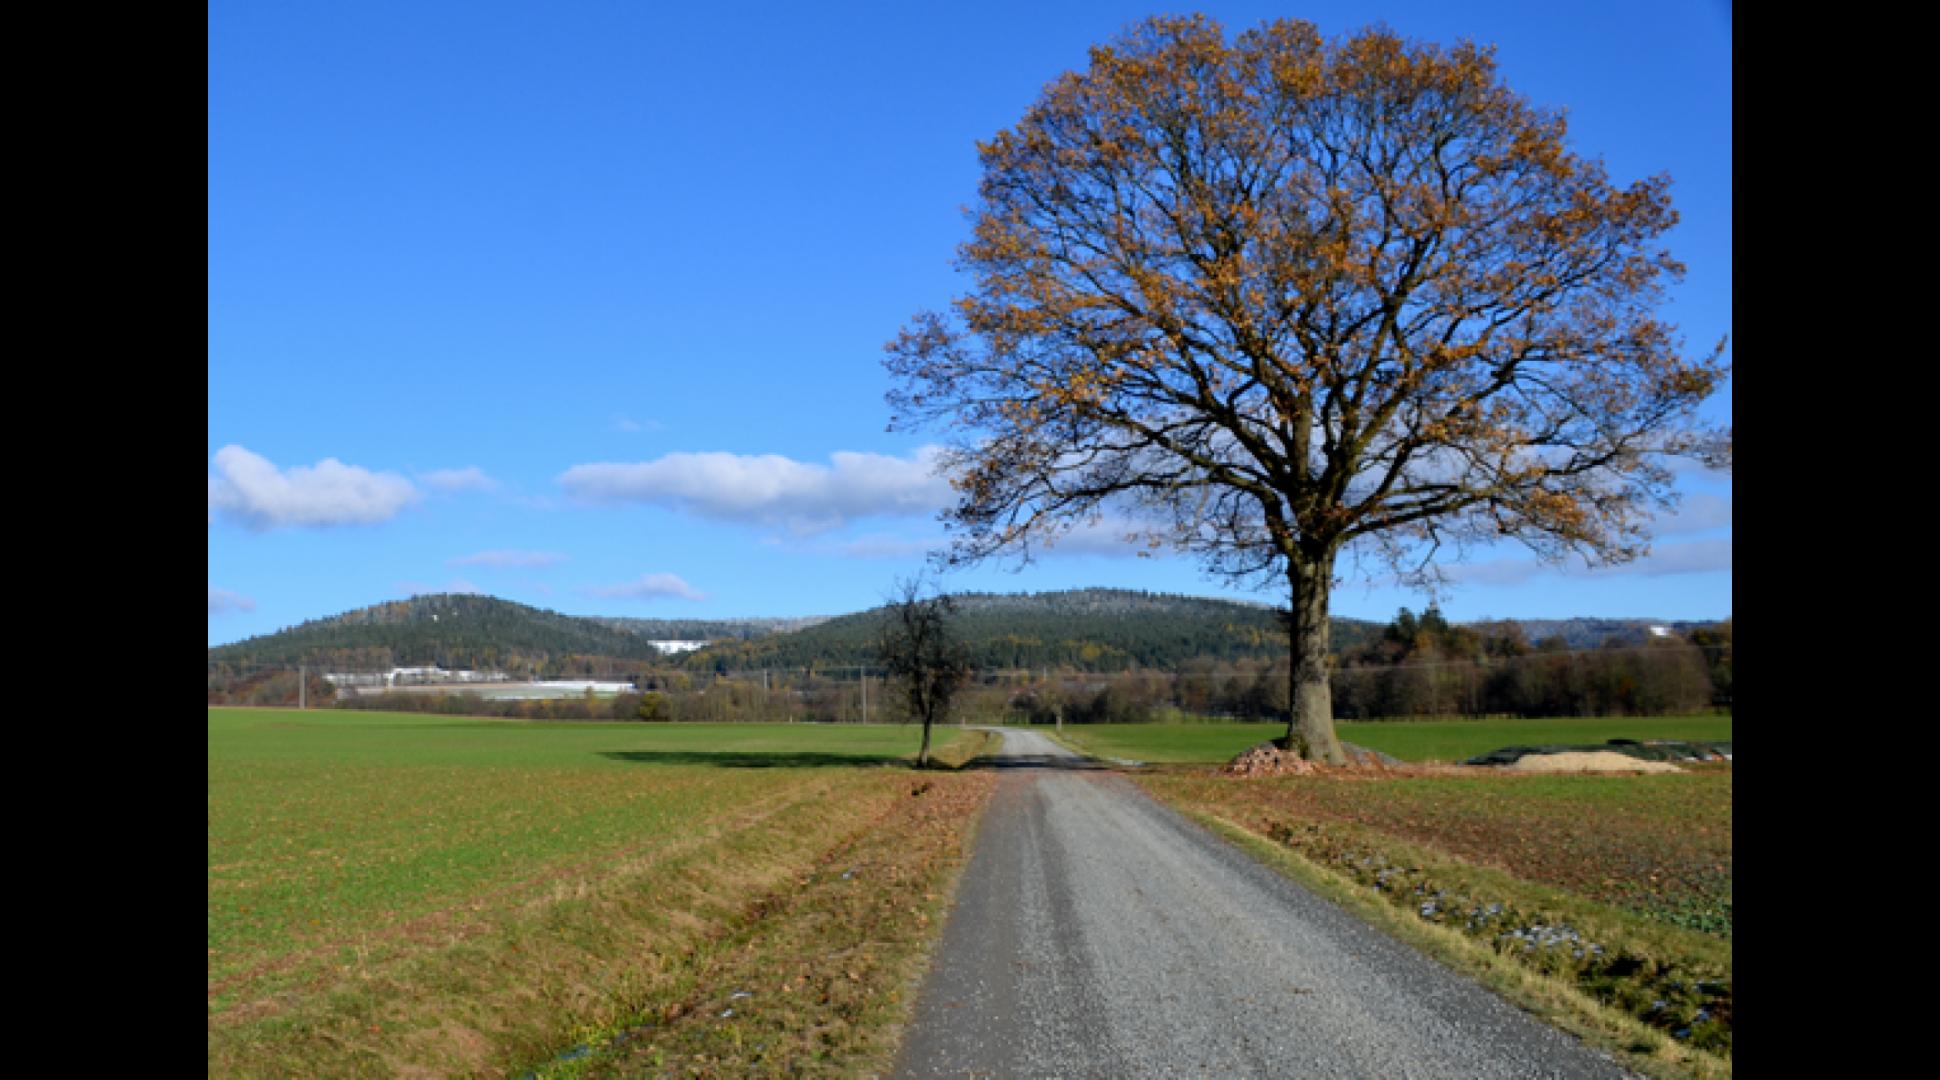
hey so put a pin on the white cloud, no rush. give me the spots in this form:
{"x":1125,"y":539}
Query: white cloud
{"x":510,"y":560}
{"x":650,"y":587}
{"x":1692,"y":557}
{"x":251,"y":490}
{"x":1105,"y":538}
{"x":1108,"y":536}
{"x":1697,"y":513}
{"x":470,"y":478}
{"x":222,"y":601}
{"x":769,"y":489}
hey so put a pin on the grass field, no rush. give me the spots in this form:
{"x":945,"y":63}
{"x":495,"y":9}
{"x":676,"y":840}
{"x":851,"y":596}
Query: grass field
{"x":405,"y":894}
{"x":415,"y":895}
{"x":1658,"y":846}
{"x":1427,"y":740}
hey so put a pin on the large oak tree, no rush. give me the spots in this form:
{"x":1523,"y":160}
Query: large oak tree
{"x":1286,"y":298}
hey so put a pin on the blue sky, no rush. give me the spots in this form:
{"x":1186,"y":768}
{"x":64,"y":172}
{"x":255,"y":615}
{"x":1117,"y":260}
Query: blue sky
{"x":583,"y":305}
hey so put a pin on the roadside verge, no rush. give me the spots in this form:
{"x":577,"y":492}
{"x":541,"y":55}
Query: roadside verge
{"x":1505,"y":967}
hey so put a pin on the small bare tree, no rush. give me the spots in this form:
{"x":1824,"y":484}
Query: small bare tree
{"x":923,"y":656}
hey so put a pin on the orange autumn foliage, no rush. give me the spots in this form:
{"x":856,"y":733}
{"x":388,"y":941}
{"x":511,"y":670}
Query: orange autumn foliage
{"x":1277,"y":298}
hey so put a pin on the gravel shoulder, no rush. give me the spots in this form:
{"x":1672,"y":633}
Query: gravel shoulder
{"x":1098,"y":934}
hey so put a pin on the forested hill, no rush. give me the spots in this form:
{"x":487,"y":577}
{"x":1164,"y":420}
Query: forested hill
{"x":450,"y":630}
{"x":1083,"y":629}
{"x":1592,"y":633}
{"x":1086,"y":629}
{"x":705,"y":629}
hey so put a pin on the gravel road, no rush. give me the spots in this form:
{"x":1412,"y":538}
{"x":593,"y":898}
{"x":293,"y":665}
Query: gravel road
{"x":1099,"y":934}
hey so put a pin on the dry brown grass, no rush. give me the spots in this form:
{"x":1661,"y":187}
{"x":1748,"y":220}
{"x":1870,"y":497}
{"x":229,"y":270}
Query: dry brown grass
{"x":504,"y":986}
{"x":822,"y":982}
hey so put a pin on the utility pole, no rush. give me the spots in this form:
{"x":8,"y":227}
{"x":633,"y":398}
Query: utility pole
{"x":300,"y":688}
{"x":865,"y":693}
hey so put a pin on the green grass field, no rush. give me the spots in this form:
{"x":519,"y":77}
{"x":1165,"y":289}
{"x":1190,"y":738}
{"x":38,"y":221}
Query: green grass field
{"x":395,"y":894}
{"x":1428,"y":740}
{"x":390,"y":892}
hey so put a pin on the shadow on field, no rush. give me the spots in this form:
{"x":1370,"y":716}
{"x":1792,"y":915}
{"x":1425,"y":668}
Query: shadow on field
{"x":1036,"y":761}
{"x":747,"y":759}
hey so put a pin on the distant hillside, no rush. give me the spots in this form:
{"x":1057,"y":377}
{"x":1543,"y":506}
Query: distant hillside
{"x":1592,"y":633}
{"x":1085,"y":629}
{"x":706,"y":629}
{"x":450,"y":630}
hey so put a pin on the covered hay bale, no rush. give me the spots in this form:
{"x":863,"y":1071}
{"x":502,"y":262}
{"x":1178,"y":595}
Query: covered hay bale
{"x":1659,"y":750}
{"x":1594,"y":761}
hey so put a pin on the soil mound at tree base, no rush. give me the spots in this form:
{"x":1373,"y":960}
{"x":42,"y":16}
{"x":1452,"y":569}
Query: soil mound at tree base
{"x":1267,"y":759}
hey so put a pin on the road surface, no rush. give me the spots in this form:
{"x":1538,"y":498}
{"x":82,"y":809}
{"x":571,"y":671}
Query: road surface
{"x":1098,"y":934}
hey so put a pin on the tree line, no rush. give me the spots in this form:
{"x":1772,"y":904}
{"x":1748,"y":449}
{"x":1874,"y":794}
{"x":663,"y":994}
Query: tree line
{"x":1416,"y":666}
{"x":1427,"y":666}
{"x":1420,"y":668}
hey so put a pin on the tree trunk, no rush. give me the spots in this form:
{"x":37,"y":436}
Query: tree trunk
{"x":1310,"y":720}
{"x":923,"y":755}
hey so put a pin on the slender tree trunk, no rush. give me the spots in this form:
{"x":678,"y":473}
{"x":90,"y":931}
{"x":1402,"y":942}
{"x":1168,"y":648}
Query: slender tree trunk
{"x":923,"y":755}
{"x":1310,"y":720}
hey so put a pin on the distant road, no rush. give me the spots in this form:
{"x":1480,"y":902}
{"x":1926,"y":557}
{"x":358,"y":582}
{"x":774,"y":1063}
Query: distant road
{"x":1099,"y":934}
